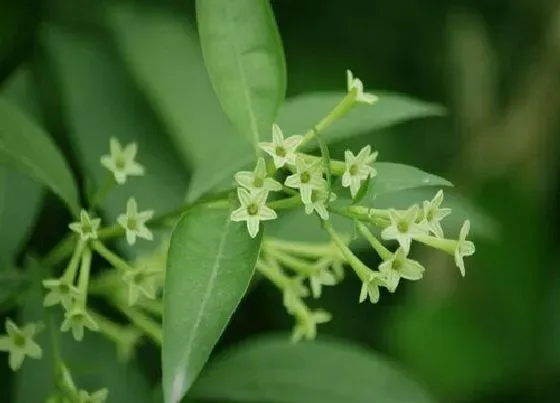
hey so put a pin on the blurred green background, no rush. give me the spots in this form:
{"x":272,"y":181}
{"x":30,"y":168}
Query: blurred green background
{"x":493,"y":336}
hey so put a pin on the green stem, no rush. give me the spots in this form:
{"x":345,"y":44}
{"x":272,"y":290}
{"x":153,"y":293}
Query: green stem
{"x":70,"y":273}
{"x":381,"y":250}
{"x":83,"y":281}
{"x":360,"y":213}
{"x":337,"y":112}
{"x":337,"y":167}
{"x":273,"y":274}
{"x":147,"y":325}
{"x":298,"y":265}
{"x":108,"y":328}
{"x":363,"y":272}
{"x":101,"y":193}
{"x":60,"y":251}
{"x":445,"y":245}
{"x":109,"y":256}
{"x":308,"y":249}
{"x":284,"y":204}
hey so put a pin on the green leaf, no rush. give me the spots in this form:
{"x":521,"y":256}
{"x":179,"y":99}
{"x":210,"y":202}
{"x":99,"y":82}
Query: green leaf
{"x":93,"y":362}
{"x":14,"y":285}
{"x":274,"y":370}
{"x":396,"y":177}
{"x":102,"y":102}
{"x":301,"y":113}
{"x":162,"y":52}
{"x":26,"y":147}
{"x":21,"y":196}
{"x":209,"y":265}
{"x":244,"y":57}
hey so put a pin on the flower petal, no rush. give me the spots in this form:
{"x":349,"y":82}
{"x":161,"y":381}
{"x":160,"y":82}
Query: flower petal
{"x":239,"y":215}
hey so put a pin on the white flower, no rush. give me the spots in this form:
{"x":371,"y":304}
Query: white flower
{"x":358,"y":168}
{"x":320,"y":278}
{"x":370,"y":288}
{"x":433,"y":214}
{"x":463,"y":247}
{"x":403,"y":227}
{"x":121,"y":161}
{"x":134,"y":222}
{"x":87,"y":227}
{"x":318,"y":203}
{"x":307,"y":178}
{"x":399,"y":266}
{"x":19,"y":343}
{"x":356,"y":87}
{"x":281,"y":150}
{"x":61,"y":292}
{"x":306,"y":324}
{"x":257,"y":180}
{"x":253,"y":210}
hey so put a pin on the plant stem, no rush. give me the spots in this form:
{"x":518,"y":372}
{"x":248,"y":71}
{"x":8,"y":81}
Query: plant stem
{"x":285,"y":203}
{"x":151,"y":328}
{"x":381,"y":250}
{"x":71,"y":270}
{"x":101,"y":193}
{"x":109,"y":256}
{"x":83,"y":281}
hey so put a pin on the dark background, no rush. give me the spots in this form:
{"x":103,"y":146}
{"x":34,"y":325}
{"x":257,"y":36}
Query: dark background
{"x":493,"y":336}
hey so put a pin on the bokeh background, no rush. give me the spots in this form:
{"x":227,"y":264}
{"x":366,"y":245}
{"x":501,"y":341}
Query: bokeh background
{"x":493,"y":336}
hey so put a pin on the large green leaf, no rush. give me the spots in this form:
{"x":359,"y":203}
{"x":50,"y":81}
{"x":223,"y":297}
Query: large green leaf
{"x":26,"y":147}
{"x":301,"y":113}
{"x":272,"y":369}
{"x":102,"y":102}
{"x":244,"y":57}
{"x":210,"y":263}
{"x":93,"y":363}
{"x":162,"y":52}
{"x":21,"y":196}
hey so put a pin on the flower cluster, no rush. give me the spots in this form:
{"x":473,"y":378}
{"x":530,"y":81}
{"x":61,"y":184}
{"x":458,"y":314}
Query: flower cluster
{"x":309,"y":184}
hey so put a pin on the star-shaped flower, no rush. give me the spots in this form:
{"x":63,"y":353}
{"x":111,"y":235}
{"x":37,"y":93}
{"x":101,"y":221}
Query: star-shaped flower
{"x":306,"y":324}
{"x":134,"y":222}
{"x":356,"y":87}
{"x":282,"y":151}
{"x":403,"y":227}
{"x":19,"y":343}
{"x":257,"y":180}
{"x":358,"y":169}
{"x":433,"y":214}
{"x":61,"y":291}
{"x":99,"y":396}
{"x":307,"y":178}
{"x":370,"y":288}
{"x":140,"y":281}
{"x":322,"y":277}
{"x":253,"y":210}
{"x":87,"y":227}
{"x":121,"y":161}
{"x":292,"y":292}
{"x":399,"y":266}
{"x":319,"y":203}
{"x":75,"y":320}
{"x":463,"y":247}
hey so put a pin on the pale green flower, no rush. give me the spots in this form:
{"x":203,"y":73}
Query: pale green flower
{"x":306,"y":324}
{"x":87,"y":227}
{"x":399,"y":266}
{"x":19,"y":343}
{"x":121,"y":161}
{"x":307,"y":178}
{"x":358,"y":169}
{"x":319,"y":203}
{"x":282,"y":151}
{"x":403,"y":227}
{"x":61,"y":291}
{"x":370,"y":288}
{"x":99,"y":396}
{"x":356,"y":87}
{"x":433,"y":214}
{"x":134,"y":222}
{"x":75,"y":320}
{"x":292,"y":292}
{"x":257,"y":179}
{"x":321,"y":277}
{"x":463,"y":247}
{"x":253,"y":210}
{"x":140,"y":281}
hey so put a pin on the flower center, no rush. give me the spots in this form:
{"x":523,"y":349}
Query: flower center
{"x":86,"y":228}
{"x":19,"y":340}
{"x":64,"y":289}
{"x":354,"y":170}
{"x":120,"y":162}
{"x":430,"y":215}
{"x":132,"y":224}
{"x":253,"y":209}
{"x":402,"y":226}
{"x":258,"y":182}
{"x":305,"y":177}
{"x":397,"y":264}
{"x":280,"y":151}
